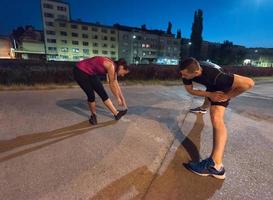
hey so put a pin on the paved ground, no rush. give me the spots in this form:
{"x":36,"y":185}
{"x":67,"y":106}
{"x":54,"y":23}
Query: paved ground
{"x":49,"y":151}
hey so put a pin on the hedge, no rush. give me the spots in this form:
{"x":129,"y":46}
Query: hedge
{"x":43,"y":72}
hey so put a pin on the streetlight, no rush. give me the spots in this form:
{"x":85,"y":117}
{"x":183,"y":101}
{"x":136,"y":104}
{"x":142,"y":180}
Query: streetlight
{"x":135,"y":57}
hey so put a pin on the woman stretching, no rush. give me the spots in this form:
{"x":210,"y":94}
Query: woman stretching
{"x":87,"y":73}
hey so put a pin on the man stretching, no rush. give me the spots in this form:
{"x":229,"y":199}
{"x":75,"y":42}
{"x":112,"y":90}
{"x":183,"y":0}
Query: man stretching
{"x":221,"y":87}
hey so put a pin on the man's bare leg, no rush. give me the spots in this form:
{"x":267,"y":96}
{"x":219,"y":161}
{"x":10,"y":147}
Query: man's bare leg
{"x":219,"y":134}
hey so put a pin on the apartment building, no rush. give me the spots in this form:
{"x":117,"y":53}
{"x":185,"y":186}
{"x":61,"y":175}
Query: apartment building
{"x":73,"y":40}
{"x":137,"y":45}
{"x":76,"y":40}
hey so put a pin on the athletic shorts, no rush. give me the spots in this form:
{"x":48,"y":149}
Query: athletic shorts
{"x":89,"y":84}
{"x":213,"y":103}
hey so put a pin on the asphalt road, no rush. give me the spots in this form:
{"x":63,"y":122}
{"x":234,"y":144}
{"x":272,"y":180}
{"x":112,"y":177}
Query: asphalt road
{"x":49,"y":151}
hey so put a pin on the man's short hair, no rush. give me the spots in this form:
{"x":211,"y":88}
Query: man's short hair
{"x":191,"y":64}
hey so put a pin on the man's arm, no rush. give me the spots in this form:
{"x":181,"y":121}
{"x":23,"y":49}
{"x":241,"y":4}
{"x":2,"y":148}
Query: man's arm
{"x":214,"y":96}
{"x":240,"y":85}
{"x":192,"y":91}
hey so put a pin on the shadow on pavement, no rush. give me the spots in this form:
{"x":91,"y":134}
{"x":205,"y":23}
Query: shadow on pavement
{"x":176,"y":182}
{"x":80,"y":107}
{"x":46,"y":138}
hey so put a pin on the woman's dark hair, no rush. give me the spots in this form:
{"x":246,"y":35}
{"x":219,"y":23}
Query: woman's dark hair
{"x":120,"y":62}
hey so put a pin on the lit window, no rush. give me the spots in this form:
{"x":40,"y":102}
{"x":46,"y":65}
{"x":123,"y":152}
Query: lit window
{"x":64,"y":49}
{"x":75,"y":50}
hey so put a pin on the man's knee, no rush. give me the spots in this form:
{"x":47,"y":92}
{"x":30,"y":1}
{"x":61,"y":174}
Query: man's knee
{"x":217,"y":117}
{"x":217,"y":121}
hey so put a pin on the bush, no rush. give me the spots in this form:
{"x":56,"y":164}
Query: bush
{"x":250,"y":71}
{"x":43,"y":72}
{"x":33,"y":72}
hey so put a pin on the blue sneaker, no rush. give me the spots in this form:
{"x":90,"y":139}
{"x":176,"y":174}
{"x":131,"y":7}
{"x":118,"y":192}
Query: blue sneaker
{"x":206,"y":168}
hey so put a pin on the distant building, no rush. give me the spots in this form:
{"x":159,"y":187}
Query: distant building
{"x":6,"y":48}
{"x":30,"y":45}
{"x":73,"y":40}
{"x":260,"y":57}
{"x":79,"y":40}
{"x":144,"y":46}
{"x":51,"y":11}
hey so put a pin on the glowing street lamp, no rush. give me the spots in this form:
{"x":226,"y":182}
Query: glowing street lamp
{"x":135,"y":58}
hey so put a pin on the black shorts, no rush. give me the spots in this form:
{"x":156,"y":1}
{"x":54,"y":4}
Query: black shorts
{"x":89,"y":84}
{"x":213,"y":103}
{"x":224,"y":103}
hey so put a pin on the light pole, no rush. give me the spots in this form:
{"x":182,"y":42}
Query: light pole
{"x":135,"y":58}
{"x":189,"y":48}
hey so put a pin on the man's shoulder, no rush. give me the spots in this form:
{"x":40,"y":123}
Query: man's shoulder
{"x":209,"y":65}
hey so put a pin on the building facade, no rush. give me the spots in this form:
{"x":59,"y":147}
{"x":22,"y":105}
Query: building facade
{"x":147,"y":46}
{"x":30,"y":45}
{"x":76,"y":40}
{"x":70,"y":40}
{"x":6,"y":48}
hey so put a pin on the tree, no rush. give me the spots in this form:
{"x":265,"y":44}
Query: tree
{"x":241,"y":55}
{"x":184,"y":51}
{"x":143,"y":27}
{"x":178,"y":36}
{"x":196,"y":35}
{"x":227,"y":53}
{"x":17,"y":35}
{"x":169,"y":30}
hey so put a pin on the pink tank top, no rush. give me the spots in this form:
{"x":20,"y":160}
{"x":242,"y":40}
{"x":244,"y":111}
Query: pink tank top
{"x":93,"y":65}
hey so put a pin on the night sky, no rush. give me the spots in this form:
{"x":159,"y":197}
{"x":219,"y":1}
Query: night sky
{"x":244,"y":22}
